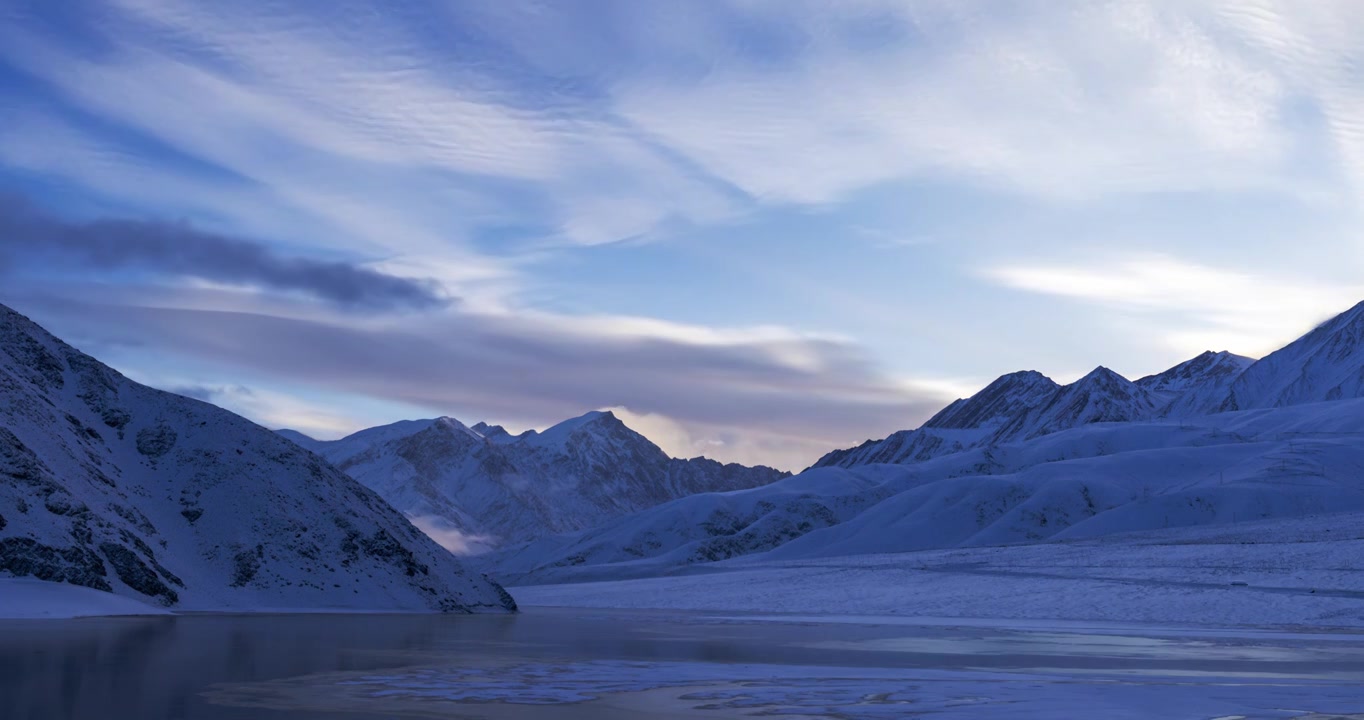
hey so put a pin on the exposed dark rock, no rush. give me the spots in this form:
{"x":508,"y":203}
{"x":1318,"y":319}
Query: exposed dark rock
{"x":135,"y":574}
{"x":382,"y":545}
{"x":246,"y":564}
{"x":156,"y":441}
{"x":61,"y":504}
{"x":23,"y":557}
{"x":43,"y":367}
{"x":134,"y":518}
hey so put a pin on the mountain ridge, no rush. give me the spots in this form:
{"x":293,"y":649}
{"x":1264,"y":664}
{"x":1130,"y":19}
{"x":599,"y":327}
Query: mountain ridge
{"x":479,"y":486}
{"x":116,"y":486}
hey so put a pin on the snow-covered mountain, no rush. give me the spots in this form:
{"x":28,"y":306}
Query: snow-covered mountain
{"x":112,"y":485}
{"x":1325,"y":364}
{"x":1195,"y":387}
{"x":1008,"y":397}
{"x":1093,"y":480}
{"x":1027,"y":404}
{"x":1216,"y":439}
{"x":1014,"y":407}
{"x":963,"y":424}
{"x":479,"y":487}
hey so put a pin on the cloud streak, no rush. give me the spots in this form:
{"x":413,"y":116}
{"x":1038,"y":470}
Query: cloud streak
{"x":31,"y":237}
{"x":795,"y":396}
{"x":1196,"y":307}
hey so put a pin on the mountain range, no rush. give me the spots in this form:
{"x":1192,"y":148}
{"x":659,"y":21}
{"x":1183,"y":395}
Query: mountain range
{"x":480,"y":487}
{"x":1025,"y":405}
{"x":112,"y":485}
{"x":1219,"y":438}
{"x":116,"y":486}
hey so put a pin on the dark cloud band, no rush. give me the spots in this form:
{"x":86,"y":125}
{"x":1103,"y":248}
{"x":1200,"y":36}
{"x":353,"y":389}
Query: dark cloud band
{"x":29,"y":236}
{"x":503,"y":367}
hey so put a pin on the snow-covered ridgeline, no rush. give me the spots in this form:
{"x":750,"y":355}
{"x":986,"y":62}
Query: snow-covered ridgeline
{"x":111,"y":485}
{"x":480,"y":487}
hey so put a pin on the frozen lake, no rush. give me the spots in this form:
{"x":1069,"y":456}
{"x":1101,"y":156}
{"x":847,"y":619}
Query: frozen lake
{"x":602,"y":664}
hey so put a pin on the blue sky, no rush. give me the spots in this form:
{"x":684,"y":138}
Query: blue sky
{"x":758,"y":229}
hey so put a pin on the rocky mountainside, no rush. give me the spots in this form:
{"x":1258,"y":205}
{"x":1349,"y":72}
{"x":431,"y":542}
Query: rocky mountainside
{"x":480,"y":487}
{"x":112,"y":485}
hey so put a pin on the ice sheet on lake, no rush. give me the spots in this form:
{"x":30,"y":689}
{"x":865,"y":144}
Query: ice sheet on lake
{"x":729,"y":690}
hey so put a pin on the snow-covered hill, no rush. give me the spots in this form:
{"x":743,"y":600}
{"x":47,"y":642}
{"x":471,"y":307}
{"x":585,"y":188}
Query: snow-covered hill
{"x":481,"y":487}
{"x":112,"y":485}
{"x":1089,"y":481}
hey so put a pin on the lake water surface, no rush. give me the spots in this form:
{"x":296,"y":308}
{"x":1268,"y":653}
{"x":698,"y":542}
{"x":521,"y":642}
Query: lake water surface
{"x":551,"y":663}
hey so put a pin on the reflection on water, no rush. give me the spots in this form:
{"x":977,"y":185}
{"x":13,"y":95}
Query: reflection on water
{"x":591,"y":664}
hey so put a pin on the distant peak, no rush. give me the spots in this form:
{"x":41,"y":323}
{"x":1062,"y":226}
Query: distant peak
{"x":450,"y":424}
{"x":597,"y":422}
{"x":1027,"y":378}
{"x":489,"y":431}
{"x":595,"y":417}
{"x":1102,"y":374}
{"x":1353,"y":316}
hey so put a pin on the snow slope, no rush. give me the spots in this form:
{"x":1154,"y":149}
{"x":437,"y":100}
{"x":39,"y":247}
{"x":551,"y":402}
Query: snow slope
{"x":111,"y":485}
{"x":483,"y":487}
{"x":1299,"y":572}
{"x":26,"y":598}
{"x":700,"y":528}
{"x":1325,"y":364}
{"x":1090,"y":481}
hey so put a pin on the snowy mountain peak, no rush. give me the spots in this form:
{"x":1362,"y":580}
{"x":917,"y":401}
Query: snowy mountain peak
{"x":485,"y":483}
{"x":116,"y":486}
{"x":596,"y":423}
{"x":1100,"y":396}
{"x":452,"y":425}
{"x":999,"y":401}
{"x":1196,"y":386}
{"x":1102,"y":377}
{"x":1325,"y":364}
{"x":495,"y":433}
{"x":1207,"y":366}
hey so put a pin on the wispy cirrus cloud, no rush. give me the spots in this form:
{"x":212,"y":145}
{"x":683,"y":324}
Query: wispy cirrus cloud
{"x":499,"y":148}
{"x":357,"y":120}
{"x":1061,"y":100}
{"x":1192,"y":307}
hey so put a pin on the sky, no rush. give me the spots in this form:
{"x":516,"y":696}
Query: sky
{"x":758,"y":230}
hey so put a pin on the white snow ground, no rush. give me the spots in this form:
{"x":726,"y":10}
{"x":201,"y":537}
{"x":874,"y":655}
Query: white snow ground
{"x":25,"y":598}
{"x":1282,"y":573}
